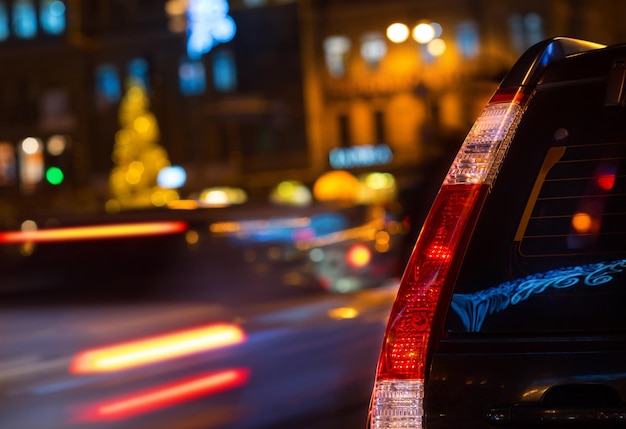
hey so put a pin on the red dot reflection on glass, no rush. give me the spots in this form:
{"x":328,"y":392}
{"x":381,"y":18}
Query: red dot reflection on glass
{"x":605,"y":177}
{"x":606,"y":181}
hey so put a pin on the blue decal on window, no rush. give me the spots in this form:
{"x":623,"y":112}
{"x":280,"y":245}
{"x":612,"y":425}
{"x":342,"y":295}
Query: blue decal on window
{"x":475,"y":307}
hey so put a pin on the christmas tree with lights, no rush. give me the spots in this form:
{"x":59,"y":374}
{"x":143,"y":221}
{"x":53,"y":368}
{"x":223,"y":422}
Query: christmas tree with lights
{"x":137,"y":156}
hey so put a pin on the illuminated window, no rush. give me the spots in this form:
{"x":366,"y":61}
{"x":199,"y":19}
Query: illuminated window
{"x":224,"y":71}
{"x":52,"y":16}
{"x":31,"y":163}
{"x":4,"y":21}
{"x":108,"y":86}
{"x":24,"y":19}
{"x":8,"y":167}
{"x":192,"y":78}
{"x":336,"y":52}
{"x":467,"y":39}
{"x":373,"y":48}
{"x":138,"y":71}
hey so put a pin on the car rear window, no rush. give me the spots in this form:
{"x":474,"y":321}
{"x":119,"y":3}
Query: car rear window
{"x":549,"y":251}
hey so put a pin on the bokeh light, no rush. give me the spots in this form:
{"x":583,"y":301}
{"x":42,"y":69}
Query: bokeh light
{"x":423,"y":33}
{"x":398,"y":32}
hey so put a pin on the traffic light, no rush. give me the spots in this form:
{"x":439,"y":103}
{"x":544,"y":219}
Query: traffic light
{"x":58,"y":159}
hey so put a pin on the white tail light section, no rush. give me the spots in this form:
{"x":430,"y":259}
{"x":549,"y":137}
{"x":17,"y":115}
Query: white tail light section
{"x":486,"y":144}
{"x":397,"y":399}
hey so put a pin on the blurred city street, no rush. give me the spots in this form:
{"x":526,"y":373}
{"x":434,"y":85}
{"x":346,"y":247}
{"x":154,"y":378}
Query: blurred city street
{"x":206,"y":205}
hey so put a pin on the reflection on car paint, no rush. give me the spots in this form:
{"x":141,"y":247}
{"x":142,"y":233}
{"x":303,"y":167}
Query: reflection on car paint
{"x":474,"y":308}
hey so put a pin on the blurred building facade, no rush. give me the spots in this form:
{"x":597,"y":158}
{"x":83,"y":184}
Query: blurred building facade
{"x":303,"y":86}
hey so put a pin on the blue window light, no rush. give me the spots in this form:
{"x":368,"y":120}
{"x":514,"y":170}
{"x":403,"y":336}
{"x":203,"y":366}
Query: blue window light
{"x":224,"y":71}
{"x":52,"y":16}
{"x":108,"y":84}
{"x":192,"y":78}
{"x":24,"y":19}
{"x":138,"y":71}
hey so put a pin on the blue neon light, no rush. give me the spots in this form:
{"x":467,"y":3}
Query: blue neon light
{"x":474,"y":308}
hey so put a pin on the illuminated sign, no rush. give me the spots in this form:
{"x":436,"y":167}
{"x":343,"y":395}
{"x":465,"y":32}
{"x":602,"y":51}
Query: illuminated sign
{"x":360,"y":156}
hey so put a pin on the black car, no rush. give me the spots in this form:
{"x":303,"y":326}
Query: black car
{"x":511,"y":310}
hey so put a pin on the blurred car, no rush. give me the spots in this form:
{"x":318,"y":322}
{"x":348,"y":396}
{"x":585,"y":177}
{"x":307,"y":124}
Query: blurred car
{"x":510,"y":312}
{"x":155,"y":319}
{"x":334,"y":246}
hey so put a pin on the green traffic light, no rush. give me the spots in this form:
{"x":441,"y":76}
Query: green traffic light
{"x":54,"y":175}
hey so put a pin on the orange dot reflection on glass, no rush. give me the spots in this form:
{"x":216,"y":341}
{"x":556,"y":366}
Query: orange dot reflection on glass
{"x":582,"y":222}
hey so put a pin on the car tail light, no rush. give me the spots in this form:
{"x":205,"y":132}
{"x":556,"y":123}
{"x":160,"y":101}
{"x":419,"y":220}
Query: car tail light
{"x":397,"y":400}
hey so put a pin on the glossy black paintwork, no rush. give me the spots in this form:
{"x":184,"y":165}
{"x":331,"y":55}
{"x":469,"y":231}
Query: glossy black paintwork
{"x":522,"y":376}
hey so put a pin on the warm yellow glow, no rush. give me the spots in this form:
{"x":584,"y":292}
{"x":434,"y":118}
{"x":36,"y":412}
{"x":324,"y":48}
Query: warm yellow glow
{"x":359,"y":256}
{"x":156,"y":349}
{"x":337,"y":185}
{"x":183,"y":204}
{"x":97,"y":232}
{"x":343,"y":313}
{"x":56,"y":145}
{"x":222,"y":196}
{"x":436,"y":47}
{"x":423,"y":33}
{"x":192,"y":237}
{"x":142,"y":124}
{"x":224,"y":227}
{"x":397,"y":32}
{"x":291,"y":192}
{"x":175,"y":7}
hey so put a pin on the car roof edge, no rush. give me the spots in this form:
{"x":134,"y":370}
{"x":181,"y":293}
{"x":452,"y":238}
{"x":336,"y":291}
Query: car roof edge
{"x":530,"y":66}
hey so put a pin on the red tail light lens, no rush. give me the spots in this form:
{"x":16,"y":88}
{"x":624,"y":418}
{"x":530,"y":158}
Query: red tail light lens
{"x":397,"y":400}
